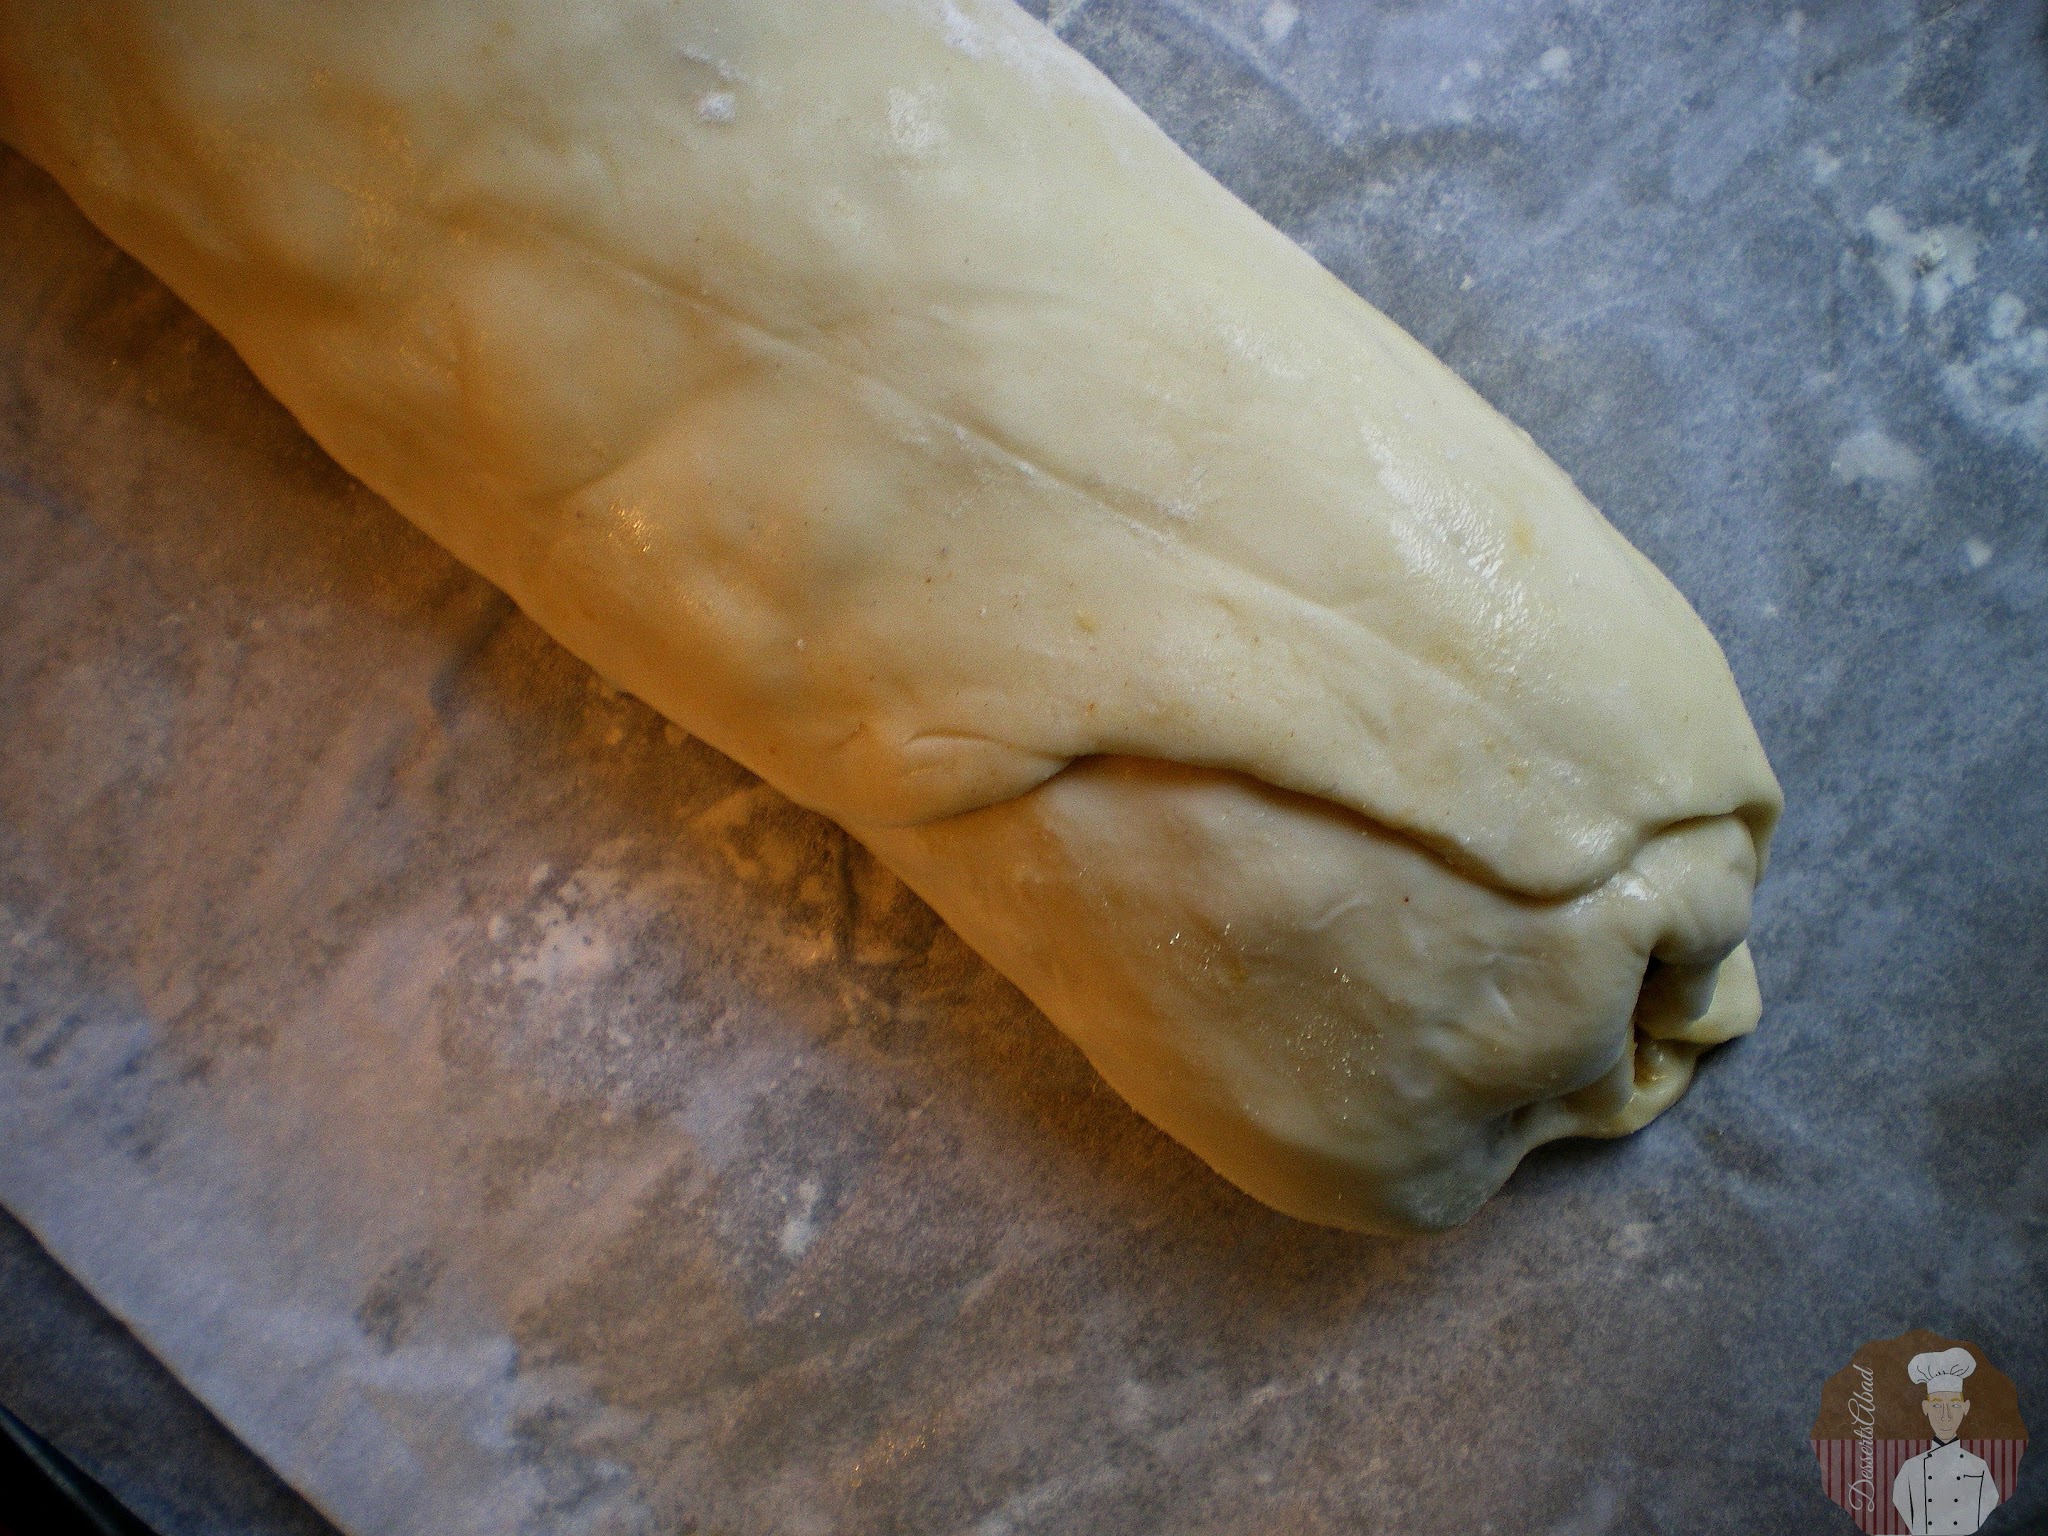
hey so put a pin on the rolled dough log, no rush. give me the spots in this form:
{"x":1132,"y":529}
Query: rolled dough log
{"x":872,"y":389}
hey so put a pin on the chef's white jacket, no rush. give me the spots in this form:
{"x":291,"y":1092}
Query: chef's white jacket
{"x":1945,"y":1489}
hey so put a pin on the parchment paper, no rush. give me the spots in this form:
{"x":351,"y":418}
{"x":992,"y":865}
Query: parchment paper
{"x":510,"y":1116}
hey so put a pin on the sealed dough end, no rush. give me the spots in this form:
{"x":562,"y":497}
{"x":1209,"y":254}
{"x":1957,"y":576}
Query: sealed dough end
{"x":1328,"y":1014}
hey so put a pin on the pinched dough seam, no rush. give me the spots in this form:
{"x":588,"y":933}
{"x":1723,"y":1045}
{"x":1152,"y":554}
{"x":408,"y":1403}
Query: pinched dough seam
{"x":1448,"y":853}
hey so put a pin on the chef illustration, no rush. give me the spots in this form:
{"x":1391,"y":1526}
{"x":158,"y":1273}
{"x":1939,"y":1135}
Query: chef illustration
{"x":1946,"y":1488}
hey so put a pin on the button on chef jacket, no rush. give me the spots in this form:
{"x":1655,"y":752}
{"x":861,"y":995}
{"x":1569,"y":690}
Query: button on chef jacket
{"x":1945,"y":1489}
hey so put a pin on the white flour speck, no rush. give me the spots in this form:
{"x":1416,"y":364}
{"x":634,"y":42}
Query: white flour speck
{"x":800,"y":1227}
{"x":2004,"y":385}
{"x":2008,"y":314}
{"x":914,"y":126}
{"x":961,"y":32}
{"x":1930,"y":264}
{"x":1278,"y":21}
{"x":1869,"y":457}
{"x":565,"y":951}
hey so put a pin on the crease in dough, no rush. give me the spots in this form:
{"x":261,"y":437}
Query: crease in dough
{"x":1371,"y":1039}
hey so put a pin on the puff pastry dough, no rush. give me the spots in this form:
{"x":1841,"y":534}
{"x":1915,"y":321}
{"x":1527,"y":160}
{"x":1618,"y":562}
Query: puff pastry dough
{"x":872,"y":389}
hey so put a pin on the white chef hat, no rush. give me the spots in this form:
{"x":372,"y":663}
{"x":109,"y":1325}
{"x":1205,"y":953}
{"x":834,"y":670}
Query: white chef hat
{"x":1943,"y":1370}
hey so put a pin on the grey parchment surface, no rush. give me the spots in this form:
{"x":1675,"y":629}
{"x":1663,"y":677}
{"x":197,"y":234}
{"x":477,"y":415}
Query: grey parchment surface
{"x":509,"y":1116}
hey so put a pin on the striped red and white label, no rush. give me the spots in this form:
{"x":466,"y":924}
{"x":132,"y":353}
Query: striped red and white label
{"x":1858,"y":1475}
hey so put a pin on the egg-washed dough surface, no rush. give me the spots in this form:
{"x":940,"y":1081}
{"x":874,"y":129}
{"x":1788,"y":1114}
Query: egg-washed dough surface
{"x":877,"y":393}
